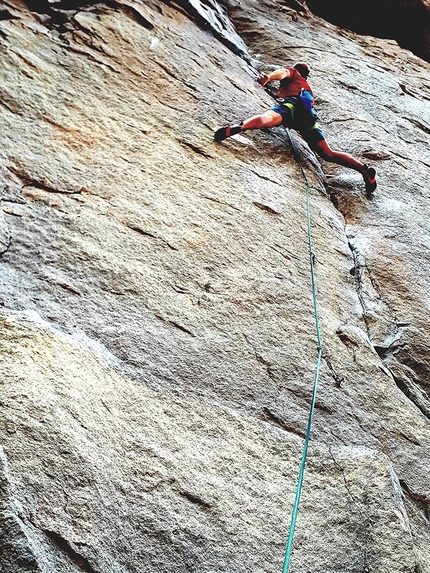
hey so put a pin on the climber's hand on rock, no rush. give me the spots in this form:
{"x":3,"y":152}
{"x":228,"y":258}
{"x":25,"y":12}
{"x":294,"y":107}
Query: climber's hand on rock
{"x":262,"y":79}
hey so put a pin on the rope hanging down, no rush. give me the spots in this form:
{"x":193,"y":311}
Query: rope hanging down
{"x":317,"y":370}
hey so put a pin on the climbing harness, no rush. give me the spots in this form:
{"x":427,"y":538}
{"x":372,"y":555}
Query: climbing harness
{"x":317,"y":370}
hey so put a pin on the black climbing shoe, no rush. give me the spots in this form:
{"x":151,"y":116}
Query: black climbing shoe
{"x":224,"y":132}
{"x":369,"y":177}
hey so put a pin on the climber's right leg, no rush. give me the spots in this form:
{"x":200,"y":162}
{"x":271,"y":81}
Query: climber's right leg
{"x":268,"y":119}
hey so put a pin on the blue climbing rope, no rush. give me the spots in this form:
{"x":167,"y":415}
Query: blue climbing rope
{"x":316,"y":377}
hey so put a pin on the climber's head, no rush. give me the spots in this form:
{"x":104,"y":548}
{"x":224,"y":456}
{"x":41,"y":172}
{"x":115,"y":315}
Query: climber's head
{"x":303,"y":69}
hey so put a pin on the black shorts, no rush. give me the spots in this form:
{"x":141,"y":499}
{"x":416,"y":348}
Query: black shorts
{"x":311,"y":135}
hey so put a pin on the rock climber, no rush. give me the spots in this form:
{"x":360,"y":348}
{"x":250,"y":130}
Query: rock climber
{"x":295,"y":109}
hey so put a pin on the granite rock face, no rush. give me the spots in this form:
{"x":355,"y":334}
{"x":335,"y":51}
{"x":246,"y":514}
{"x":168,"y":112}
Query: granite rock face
{"x":157,"y":346}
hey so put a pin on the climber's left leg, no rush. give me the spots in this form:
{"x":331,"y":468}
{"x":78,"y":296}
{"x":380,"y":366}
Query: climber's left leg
{"x":321,"y":147}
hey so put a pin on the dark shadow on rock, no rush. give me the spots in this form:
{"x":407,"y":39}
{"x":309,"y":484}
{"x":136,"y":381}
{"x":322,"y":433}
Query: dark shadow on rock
{"x":406,"y":22}
{"x":348,"y":196}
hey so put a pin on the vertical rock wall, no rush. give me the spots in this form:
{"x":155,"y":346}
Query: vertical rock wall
{"x":157,"y":340}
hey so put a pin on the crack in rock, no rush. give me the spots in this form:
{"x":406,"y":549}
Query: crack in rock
{"x":67,"y":547}
{"x":266,"y":208}
{"x":416,"y":497}
{"x":269,"y":416}
{"x":196,"y":500}
{"x":145,"y":233}
{"x":16,"y":553}
{"x":392,"y":346}
{"x":175,"y":324}
{"x":357,"y":272}
{"x":416,"y":395}
{"x":41,"y":183}
{"x":213,"y":15}
{"x":194,"y":148}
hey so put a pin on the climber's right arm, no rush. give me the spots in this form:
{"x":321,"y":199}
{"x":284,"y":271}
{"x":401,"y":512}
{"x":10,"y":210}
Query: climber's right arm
{"x":281,"y":74}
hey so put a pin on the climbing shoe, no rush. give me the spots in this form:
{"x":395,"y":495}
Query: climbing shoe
{"x":224,"y":132}
{"x":369,"y":177}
